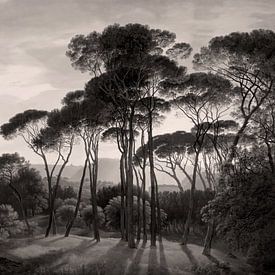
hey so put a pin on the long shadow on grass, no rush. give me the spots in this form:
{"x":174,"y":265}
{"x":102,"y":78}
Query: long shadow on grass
{"x":117,"y":259}
{"x":162,"y":259}
{"x":53,"y":255}
{"x":213,"y":259}
{"x":156,"y":267}
{"x":134,"y":268}
{"x":189,"y":254}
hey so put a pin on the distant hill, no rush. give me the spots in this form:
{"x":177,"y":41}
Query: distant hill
{"x":108,"y":171}
{"x":167,"y":187}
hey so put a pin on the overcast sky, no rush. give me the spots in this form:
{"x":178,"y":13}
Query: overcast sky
{"x":34,"y":34}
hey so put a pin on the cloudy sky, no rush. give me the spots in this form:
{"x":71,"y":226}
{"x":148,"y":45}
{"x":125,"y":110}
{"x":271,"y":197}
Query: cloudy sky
{"x":35,"y":73}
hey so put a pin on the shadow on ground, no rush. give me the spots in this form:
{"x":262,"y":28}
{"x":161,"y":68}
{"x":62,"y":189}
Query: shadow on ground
{"x":111,"y":256}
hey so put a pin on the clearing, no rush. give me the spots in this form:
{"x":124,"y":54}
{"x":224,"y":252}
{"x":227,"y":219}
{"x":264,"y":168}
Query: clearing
{"x":112,"y":256}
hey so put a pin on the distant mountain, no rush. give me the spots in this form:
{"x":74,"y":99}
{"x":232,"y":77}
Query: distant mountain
{"x":167,"y":187}
{"x":68,"y":172}
{"x":108,"y":172}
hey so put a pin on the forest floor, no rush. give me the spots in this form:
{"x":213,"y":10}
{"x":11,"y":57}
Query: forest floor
{"x":82,"y":255}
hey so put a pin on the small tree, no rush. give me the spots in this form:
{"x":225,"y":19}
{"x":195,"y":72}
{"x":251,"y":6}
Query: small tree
{"x":9,"y":223}
{"x":10,"y":164}
{"x":87,"y":214}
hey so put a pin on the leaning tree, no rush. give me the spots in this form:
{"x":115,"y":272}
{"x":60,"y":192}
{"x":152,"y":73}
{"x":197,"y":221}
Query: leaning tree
{"x":42,"y":139}
{"x":247,"y":61}
{"x":203,"y":98}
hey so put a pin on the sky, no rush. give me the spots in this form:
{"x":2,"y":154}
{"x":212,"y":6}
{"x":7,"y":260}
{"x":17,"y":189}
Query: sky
{"x":35,"y":73}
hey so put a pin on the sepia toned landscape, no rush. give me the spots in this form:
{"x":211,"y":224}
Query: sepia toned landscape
{"x":137,"y":137}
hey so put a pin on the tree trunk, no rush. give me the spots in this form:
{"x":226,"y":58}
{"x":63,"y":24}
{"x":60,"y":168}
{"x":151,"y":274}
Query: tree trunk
{"x":126,"y":189}
{"x":130,"y":210}
{"x":70,"y":225}
{"x":158,"y":210}
{"x":152,"y":179}
{"x":54,"y":227}
{"x":52,"y":196}
{"x":138,"y":206}
{"x":93,"y":194}
{"x":144,"y":224}
{"x":209,"y":237}
{"x":191,"y":202}
{"x":93,"y":202}
{"x":48,"y":229}
{"x":122,"y":194}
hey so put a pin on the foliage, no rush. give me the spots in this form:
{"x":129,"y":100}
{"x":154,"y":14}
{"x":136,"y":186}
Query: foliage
{"x":70,"y":201}
{"x":105,"y":194}
{"x":112,"y":212}
{"x":65,"y":213}
{"x":9,"y":223}
{"x":66,"y":192}
{"x":244,"y":210}
{"x":171,"y":202}
{"x":29,"y":183}
{"x":87,"y":215}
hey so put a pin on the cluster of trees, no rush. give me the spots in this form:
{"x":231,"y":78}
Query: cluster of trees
{"x":137,"y":76}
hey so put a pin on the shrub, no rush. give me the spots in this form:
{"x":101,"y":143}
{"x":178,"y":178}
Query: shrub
{"x":88,"y":217}
{"x":9,"y":223}
{"x":112,"y":212}
{"x":65,"y":213}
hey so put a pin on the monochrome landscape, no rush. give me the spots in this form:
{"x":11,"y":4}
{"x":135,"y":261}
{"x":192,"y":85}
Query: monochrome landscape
{"x":137,"y":137}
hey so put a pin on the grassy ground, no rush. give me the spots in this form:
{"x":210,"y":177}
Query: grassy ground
{"x":82,"y":255}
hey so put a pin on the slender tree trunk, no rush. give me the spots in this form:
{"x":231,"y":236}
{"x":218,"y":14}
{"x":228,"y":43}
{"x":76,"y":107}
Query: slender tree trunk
{"x":93,"y":202}
{"x":208,"y":238}
{"x":70,"y":225}
{"x":138,"y":206}
{"x":126,"y":191}
{"x":130,"y":212}
{"x":52,"y":196}
{"x":122,"y":194}
{"x":144,"y":222}
{"x":270,"y":157}
{"x":48,"y":229}
{"x":93,"y":195}
{"x":191,"y":201}
{"x":54,"y":226}
{"x":158,"y":210}
{"x":152,"y":179}
{"x":202,"y":179}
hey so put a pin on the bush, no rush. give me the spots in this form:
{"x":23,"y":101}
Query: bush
{"x":112,"y":212}
{"x":65,"y":213}
{"x":88,"y":217}
{"x":70,"y":201}
{"x":9,"y":223}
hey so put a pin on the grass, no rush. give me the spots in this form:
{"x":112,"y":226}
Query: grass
{"x":82,"y":255}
